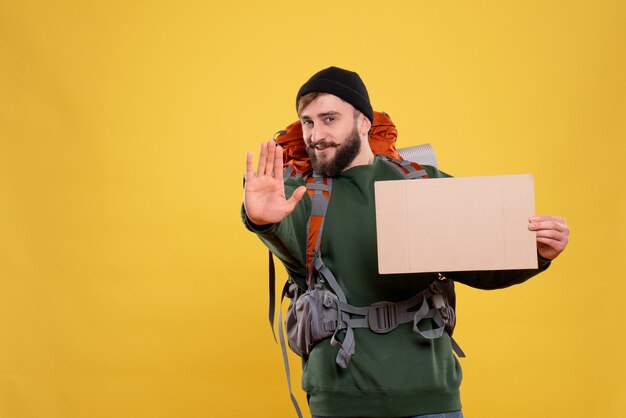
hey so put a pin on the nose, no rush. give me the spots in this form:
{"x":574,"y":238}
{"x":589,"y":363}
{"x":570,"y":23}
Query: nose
{"x":318,"y":133}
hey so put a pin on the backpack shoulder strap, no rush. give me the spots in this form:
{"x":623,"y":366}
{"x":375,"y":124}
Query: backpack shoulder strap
{"x":408,"y":169}
{"x":289,"y":172}
{"x":319,"y":189}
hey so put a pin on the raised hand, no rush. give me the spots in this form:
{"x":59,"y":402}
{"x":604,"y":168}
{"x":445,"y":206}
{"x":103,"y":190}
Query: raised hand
{"x":552,"y":234}
{"x":264,"y":194}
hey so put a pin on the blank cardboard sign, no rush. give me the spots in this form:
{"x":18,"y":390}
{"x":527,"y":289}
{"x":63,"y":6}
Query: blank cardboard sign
{"x":455,"y":224}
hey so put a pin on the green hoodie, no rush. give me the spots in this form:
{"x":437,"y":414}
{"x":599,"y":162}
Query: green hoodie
{"x":390,"y":375}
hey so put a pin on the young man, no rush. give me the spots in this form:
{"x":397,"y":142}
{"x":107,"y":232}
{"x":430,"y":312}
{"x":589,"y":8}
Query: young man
{"x":393,"y":374}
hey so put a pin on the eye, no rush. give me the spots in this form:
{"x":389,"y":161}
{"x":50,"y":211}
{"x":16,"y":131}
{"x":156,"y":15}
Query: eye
{"x":306,"y":122}
{"x":329,"y":118}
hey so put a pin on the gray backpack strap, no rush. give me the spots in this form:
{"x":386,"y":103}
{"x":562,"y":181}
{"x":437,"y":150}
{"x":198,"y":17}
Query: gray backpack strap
{"x":408,"y":169}
{"x":425,"y":312}
{"x":457,"y":349}
{"x":346,"y":347}
{"x":383,"y":317}
{"x":283,"y":348}
{"x":316,"y":187}
{"x":289,"y":172}
{"x":319,"y":205}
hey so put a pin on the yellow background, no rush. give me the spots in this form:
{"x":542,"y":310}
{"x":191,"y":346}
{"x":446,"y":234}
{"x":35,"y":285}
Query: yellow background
{"x":128,"y":286}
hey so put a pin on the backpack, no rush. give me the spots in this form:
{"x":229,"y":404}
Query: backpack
{"x":322,"y":312}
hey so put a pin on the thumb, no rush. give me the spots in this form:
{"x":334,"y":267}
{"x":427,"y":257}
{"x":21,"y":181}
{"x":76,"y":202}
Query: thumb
{"x":296,"y":196}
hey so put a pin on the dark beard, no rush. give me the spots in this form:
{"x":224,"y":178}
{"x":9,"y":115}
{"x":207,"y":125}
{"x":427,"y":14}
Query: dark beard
{"x":345,"y":154}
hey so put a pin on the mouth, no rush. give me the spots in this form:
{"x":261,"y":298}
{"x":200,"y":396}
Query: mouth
{"x":323,"y":145}
{"x":324,"y":151}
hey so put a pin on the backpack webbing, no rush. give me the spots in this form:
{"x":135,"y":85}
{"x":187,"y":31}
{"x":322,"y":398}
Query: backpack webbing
{"x":319,"y":189}
{"x":283,"y":349}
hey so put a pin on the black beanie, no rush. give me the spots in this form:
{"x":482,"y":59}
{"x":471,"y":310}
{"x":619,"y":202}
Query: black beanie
{"x":347,"y":85}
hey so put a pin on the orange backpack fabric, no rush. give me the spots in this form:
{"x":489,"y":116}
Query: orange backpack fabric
{"x":383,"y":136}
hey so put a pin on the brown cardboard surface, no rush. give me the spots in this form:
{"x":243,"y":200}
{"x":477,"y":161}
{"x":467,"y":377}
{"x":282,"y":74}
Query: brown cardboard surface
{"x":455,"y":224}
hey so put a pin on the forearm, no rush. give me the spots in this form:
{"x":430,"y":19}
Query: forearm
{"x":287,"y":238}
{"x":489,"y":280}
{"x":283,"y":241}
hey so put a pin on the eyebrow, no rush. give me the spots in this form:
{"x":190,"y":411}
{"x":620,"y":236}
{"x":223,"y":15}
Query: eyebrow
{"x":322,"y":115}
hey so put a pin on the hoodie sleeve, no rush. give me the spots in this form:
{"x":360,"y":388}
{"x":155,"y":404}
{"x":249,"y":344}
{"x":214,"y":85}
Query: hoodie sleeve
{"x":286,"y":239}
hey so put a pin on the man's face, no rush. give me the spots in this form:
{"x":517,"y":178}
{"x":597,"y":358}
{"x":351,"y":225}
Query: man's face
{"x":331,"y":134}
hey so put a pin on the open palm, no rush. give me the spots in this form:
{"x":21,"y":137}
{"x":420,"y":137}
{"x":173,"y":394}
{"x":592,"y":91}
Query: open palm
{"x":264,"y":194}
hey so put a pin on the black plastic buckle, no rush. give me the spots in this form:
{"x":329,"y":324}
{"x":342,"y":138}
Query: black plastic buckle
{"x":382,"y":317}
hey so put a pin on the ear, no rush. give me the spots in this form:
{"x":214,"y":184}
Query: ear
{"x":364,"y":125}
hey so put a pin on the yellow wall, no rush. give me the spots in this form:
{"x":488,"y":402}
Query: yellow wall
{"x":128,"y":286}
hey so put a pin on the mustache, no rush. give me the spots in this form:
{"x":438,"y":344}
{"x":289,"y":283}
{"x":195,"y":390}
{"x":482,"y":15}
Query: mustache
{"x":321,"y":145}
